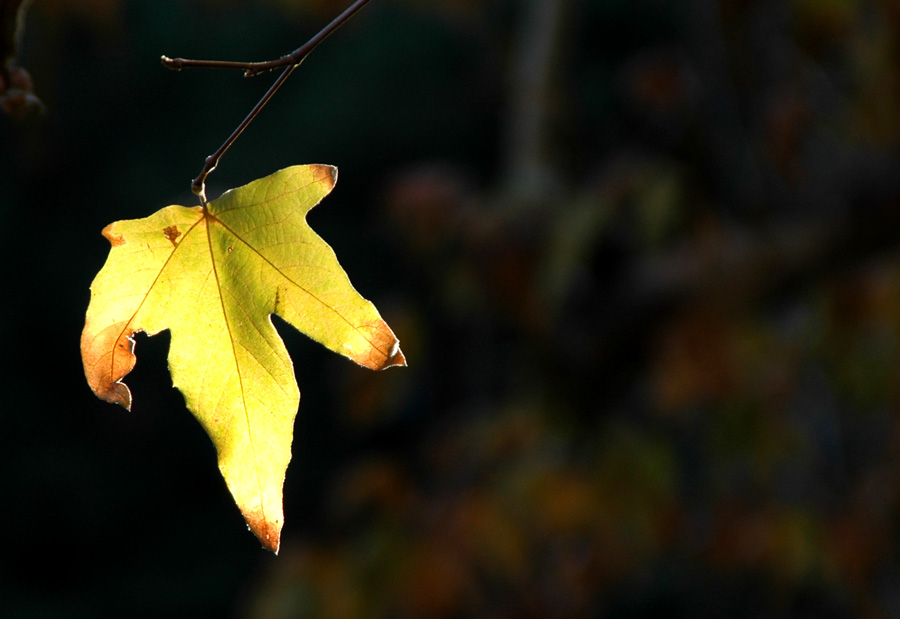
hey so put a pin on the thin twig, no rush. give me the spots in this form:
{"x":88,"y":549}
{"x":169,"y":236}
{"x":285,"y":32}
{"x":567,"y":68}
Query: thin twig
{"x":252,"y":69}
{"x":288,"y":63}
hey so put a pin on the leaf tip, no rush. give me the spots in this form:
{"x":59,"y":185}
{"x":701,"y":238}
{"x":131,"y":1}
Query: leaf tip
{"x":325,"y":174}
{"x":383,"y":350}
{"x":268,"y":532}
{"x":117,"y":393}
{"x":395,"y":357}
{"x":114,"y":239}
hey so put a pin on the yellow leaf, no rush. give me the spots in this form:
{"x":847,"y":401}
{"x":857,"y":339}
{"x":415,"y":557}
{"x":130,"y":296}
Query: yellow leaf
{"x":213,"y":276}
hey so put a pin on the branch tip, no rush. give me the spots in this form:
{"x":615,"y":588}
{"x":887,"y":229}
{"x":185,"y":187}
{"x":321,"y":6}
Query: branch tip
{"x":171,"y":63}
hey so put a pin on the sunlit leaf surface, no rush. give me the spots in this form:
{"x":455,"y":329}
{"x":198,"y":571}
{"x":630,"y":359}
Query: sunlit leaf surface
{"x":213,"y":276}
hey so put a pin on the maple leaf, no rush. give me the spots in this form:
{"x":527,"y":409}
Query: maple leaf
{"x":214,"y":276}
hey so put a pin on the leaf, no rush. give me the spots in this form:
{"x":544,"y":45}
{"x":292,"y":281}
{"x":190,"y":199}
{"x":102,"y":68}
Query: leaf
{"x":213,"y":277}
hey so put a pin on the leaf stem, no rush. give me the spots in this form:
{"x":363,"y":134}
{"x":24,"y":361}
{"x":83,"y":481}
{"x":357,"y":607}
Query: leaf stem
{"x":251,"y":69}
{"x":198,"y":185}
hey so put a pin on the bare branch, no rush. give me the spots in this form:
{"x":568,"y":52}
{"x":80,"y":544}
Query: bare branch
{"x":252,"y":69}
{"x":288,"y":63}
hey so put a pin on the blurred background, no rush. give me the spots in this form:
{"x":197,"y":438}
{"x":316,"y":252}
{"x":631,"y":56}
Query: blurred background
{"x":643,"y":257}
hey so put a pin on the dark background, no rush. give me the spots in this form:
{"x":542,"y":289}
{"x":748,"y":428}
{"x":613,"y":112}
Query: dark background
{"x":642,"y":257}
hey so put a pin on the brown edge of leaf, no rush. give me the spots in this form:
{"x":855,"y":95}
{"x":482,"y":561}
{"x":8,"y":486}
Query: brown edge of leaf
{"x":266,"y":531}
{"x":395,"y":357}
{"x":384,"y":351}
{"x":108,"y":355}
{"x":114,"y":239}
{"x":325,"y":173}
